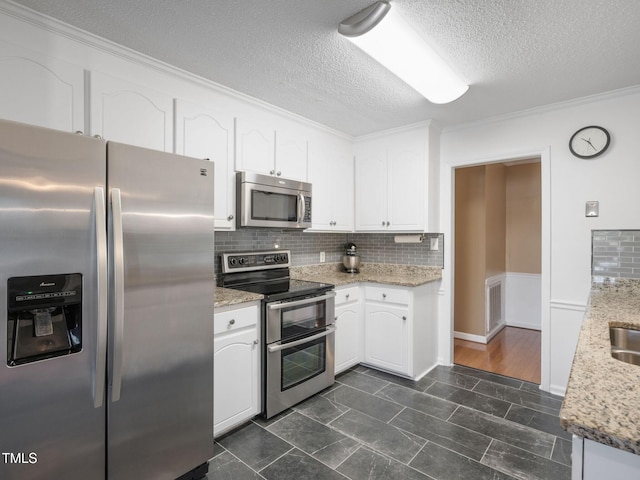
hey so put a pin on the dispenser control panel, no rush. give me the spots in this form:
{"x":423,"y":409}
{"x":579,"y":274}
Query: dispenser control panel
{"x":44,"y":317}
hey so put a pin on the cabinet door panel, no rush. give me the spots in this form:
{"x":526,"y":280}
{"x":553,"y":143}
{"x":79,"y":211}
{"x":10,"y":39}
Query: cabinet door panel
{"x":331,"y":174}
{"x":129,"y":113}
{"x":254,"y":147}
{"x":291,"y":156}
{"x":236,"y":379}
{"x":406,"y":189}
{"x":342,"y":174}
{"x":387,"y":344}
{"x":348,"y":337}
{"x":206,"y":133}
{"x":40,"y":91}
{"x":371,"y":191}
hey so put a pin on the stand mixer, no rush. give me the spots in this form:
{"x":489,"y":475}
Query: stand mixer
{"x":351,"y":259}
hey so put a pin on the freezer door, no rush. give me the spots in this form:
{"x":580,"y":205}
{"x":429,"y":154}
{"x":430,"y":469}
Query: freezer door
{"x":160,"y":398}
{"x":52,"y":415}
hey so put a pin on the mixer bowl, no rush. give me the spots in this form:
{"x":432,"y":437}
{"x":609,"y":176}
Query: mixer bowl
{"x":351,"y":263}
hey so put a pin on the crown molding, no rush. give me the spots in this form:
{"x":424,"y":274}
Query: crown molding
{"x":91,"y":40}
{"x":598,"y":97}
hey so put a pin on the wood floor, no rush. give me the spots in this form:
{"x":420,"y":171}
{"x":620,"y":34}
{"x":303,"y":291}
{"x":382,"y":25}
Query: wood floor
{"x":514,"y":352}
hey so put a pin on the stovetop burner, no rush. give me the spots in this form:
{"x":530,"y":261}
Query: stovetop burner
{"x":266,"y":273}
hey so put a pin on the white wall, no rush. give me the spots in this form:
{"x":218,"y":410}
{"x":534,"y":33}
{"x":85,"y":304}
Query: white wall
{"x":568,"y":183}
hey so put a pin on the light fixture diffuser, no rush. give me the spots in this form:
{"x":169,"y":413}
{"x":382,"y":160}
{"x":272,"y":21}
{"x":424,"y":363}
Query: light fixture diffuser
{"x":385,"y":36}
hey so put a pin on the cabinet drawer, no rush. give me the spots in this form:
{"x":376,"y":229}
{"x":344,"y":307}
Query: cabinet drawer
{"x":347,"y":295}
{"x":235,"y":319}
{"x":387,"y":295}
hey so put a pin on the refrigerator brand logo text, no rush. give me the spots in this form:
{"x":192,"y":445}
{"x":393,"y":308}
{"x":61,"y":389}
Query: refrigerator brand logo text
{"x":20,"y":457}
{"x":47,"y":284}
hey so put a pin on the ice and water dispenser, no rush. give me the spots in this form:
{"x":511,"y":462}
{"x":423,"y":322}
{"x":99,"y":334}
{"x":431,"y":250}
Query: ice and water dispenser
{"x":44,"y":317}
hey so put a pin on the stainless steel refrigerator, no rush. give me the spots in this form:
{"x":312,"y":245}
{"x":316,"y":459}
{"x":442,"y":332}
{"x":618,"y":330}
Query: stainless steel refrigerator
{"x":106,"y":308}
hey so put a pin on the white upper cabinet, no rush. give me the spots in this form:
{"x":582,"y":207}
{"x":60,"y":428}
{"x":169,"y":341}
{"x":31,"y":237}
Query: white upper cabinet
{"x":255,"y":147}
{"x":371,"y":188}
{"x":125,"y":112}
{"x":262,"y":149}
{"x":203,"y":132}
{"x":291,"y":154}
{"x":331,"y":175}
{"x":40,"y":90}
{"x":393,"y":173}
{"x":407,"y":184}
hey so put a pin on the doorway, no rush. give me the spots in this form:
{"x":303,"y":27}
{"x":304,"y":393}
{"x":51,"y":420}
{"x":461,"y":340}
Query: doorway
{"x":497,"y":286}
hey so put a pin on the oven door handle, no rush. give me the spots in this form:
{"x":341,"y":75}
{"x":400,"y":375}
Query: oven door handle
{"x":281,"y":346}
{"x":285,"y":304}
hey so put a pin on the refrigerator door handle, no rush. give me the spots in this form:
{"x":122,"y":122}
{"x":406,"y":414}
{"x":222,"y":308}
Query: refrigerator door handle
{"x":101,"y":327}
{"x":118,"y":293}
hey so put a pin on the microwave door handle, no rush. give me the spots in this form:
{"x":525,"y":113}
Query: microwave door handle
{"x":285,"y":304}
{"x":281,"y":346}
{"x":301,"y":207}
{"x":101,"y":324}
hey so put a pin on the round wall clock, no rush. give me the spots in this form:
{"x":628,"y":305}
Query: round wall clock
{"x":589,"y":142}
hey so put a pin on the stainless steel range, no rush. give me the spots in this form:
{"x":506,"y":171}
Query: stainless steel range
{"x":297,"y":326}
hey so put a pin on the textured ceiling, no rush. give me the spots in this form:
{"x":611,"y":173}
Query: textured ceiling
{"x":515,"y":54}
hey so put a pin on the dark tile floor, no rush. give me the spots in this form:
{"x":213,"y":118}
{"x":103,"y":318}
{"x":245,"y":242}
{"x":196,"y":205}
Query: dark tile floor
{"x":455,"y":423}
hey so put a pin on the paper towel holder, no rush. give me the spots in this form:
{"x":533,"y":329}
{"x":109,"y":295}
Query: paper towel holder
{"x":416,"y":238}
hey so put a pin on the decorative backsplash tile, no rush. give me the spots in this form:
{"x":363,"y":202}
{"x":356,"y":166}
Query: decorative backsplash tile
{"x":306,"y":246}
{"x":615,"y":253}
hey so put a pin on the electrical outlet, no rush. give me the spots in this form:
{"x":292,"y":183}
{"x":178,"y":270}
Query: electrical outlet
{"x":322,"y":258}
{"x":433,"y":243}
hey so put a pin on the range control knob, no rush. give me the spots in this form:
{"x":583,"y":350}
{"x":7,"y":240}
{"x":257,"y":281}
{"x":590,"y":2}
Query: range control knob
{"x":241,"y":260}
{"x":232,"y":261}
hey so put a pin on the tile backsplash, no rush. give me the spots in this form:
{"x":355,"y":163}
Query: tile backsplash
{"x":306,"y":246}
{"x":615,"y":253}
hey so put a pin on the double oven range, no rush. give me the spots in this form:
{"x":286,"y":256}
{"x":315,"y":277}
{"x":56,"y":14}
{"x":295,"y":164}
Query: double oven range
{"x":297,"y":326}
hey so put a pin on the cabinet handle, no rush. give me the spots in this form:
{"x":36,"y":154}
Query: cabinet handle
{"x":232,"y":321}
{"x":404,"y":317}
{"x":279,"y":173}
{"x":230,"y":217}
{"x":384,"y":295}
{"x":335,"y":319}
{"x":97,"y":136}
{"x":79,"y":132}
{"x":346,"y":296}
{"x":388,"y":223}
{"x":255,"y":342}
{"x":383,"y":223}
{"x":271,"y":172}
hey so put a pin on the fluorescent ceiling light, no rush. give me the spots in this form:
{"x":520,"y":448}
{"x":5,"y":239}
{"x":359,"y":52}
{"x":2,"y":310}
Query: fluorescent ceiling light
{"x":383,"y":34}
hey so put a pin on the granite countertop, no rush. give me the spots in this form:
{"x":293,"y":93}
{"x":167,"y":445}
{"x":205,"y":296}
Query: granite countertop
{"x":389,"y":274}
{"x":227,"y":296}
{"x":603,"y":394}
{"x":402,"y":275}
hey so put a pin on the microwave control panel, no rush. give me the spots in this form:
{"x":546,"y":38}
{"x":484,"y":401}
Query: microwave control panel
{"x":307,"y":210}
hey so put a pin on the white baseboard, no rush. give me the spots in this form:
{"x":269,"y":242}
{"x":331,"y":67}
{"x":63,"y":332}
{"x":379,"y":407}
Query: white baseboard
{"x":470,"y":337}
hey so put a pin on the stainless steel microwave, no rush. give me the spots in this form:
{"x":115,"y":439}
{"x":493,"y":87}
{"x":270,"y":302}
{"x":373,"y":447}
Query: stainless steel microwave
{"x":266,"y":201}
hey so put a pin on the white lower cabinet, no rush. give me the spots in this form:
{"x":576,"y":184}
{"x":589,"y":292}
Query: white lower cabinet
{"x":594,"y":461}
{"x":236,"y":380}
{"x":401,"y":328}
{"x":387,"y":328}
{"x":349,"y":328}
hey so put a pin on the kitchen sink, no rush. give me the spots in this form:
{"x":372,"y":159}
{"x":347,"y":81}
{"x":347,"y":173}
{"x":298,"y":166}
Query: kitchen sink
{"x":625,"y":344}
